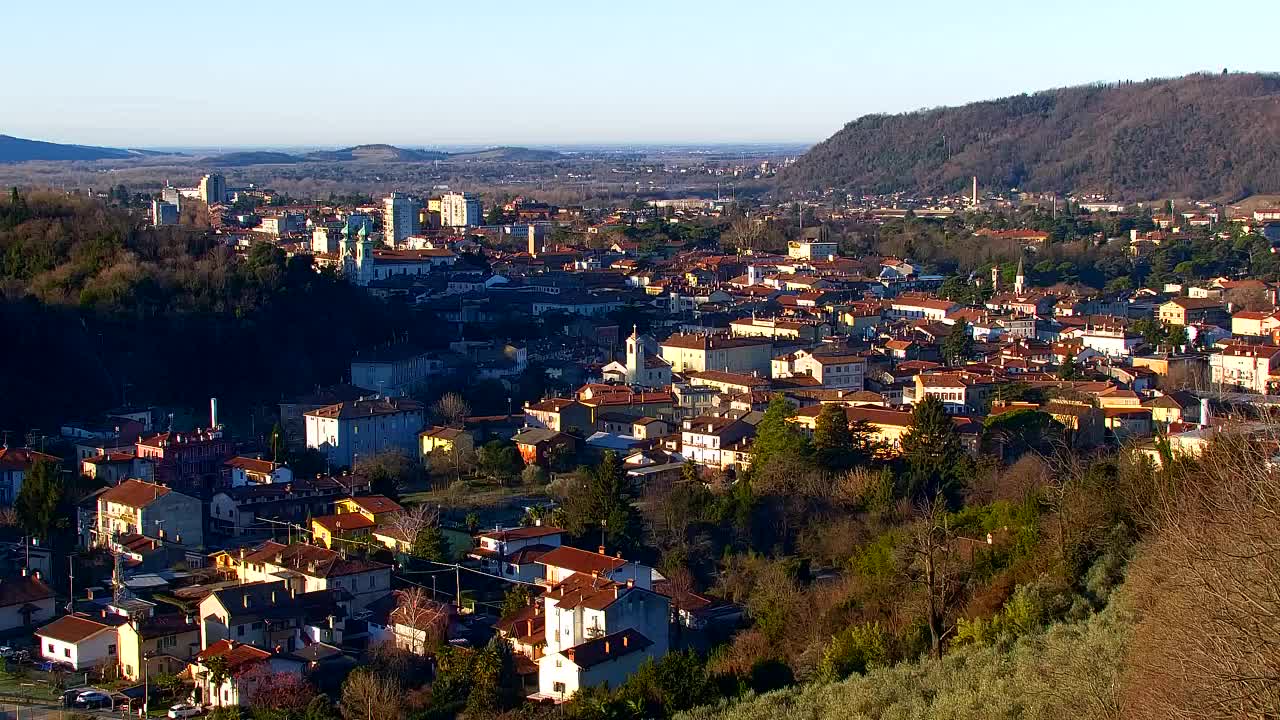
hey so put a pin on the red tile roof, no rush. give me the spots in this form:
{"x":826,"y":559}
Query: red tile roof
{"x":73,"y":628}
{"x":581,"y":561}
{"x":134,"y":493}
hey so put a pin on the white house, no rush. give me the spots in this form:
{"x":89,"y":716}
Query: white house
{"x":78,"y":641}
{"x":598,"y":631}
{"x":515,"y":552}
{"x":241,"y":660}
{"x":25,"y":602}
{"x":1245,"y":368}
{"x":347,"y":431}
{"x":704,"y":439}
{"x":1112,"y":342}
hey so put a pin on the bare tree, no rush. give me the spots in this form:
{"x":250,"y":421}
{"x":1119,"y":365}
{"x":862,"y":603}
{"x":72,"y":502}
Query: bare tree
{"x":451,"y":409}
{"x":1207,"y":644}
{"x":929,"y":565}
{"x":407,"y":524}
{"x":426,"y":619}
{"x":369,"y":696}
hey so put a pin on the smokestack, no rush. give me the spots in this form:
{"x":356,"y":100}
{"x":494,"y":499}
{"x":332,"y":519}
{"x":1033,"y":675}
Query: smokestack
{"x":213,"y":412}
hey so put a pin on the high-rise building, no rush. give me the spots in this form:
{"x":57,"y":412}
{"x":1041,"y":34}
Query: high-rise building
{"x":163,"y":213}
{"x":213,"y":189}
{"x":399,"y":217}
{"x":460,"y":210}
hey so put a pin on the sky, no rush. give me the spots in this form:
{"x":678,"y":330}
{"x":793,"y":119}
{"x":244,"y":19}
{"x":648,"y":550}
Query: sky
{"x":283,"y":73}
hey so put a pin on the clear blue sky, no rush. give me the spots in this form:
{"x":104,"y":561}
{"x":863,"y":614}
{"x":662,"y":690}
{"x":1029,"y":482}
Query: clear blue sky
{"x":283,"y":72}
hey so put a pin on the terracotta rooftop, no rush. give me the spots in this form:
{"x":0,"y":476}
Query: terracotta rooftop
{"x":581,"y":561}
{"x":73,"y":628}
{"x":134,"y":493}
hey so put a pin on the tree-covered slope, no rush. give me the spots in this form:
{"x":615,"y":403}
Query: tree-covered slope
{"x":1201,"y":135}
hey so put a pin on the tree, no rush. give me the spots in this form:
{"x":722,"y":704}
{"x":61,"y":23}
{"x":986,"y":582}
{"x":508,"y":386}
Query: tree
{"x":957,"y":346}
{"x":369,"y":696}
{"x":776,"y":435}
{"x":320,"y":708}
{"x":278,"y":452}
{"x":929,"y":565}
{"x":832,"y":440}
{"x":1070,"y":369}
{"x":857,"y":649}
{"x":287,"y":693}
{"x":517,"y":598}
{"x":388,"y":471}
{"x":1018,"y":431}
{"x":451,"y":409}
{"x":935,"y":457}
{"x":601,"y":502}
{"x":43,"y":505}
{"x":427,"y":619}
{"x":499,"y":460}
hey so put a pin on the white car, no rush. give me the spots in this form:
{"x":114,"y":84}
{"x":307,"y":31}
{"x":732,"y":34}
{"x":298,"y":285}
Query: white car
{"x":184,"y":710}
{"x":93,"y":699}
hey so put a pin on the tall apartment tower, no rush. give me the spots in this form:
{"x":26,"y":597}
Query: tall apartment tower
{"x":213,"y":189}
{"x":399,"y":218}
{"x":459,"y":210}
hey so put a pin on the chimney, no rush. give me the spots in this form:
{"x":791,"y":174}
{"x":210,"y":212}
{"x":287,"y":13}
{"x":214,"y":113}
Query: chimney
{"x":246,"y":599}
{"x":24,"y":572}
{"x":529,"y":626}
{"x":606,"y":647}
{"x":213,"y":412}
{"x":273,"y":597}
{"x":631,"y":582}
{"x":626,"y":640}
{"x":36,"y":574}
{"x":601,"y":550}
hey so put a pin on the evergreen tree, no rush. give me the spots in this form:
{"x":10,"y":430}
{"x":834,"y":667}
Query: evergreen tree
{"x":832,"y":440}
{"x":603,"y":504}
{"x":957,"y":347}
{"x":430,"y":544}
{"x":776,"y":436}
{"x":936,"y":460}
{"x":43,"y":506}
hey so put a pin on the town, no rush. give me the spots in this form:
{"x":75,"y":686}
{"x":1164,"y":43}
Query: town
{"x":657,"y":383}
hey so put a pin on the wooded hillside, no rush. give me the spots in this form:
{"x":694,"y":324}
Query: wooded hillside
{"x":1199,"y":135}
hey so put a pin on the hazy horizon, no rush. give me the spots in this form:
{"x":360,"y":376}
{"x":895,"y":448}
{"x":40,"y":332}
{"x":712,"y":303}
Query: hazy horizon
{"x":291,"y":75}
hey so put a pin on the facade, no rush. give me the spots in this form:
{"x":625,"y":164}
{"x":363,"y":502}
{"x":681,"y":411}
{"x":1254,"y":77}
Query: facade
{"x":514,"y":552}
{"x":706,"y":352}
{"x":25,"y":602}
{"x":187,"y":462}
{"x":308,"y":568}
{"x":163,"y":213}
{"x":1244,"y":368}
{"x":346,"y":431}
{"x":394,"y":370}
{"x":1192,"y":311}
{"x":158,"y":644}
{"x":833,"y":371}
{"x":154,"y":511}
{"x":703,"y":439}
{"x":240,"y":661}
{"x":399,"y":218}
{"x":459,"y":210}
{"x":78,"y":642}
{"x":213,"y":189}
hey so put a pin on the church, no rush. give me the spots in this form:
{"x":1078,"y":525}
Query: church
{"x":643,"y":366}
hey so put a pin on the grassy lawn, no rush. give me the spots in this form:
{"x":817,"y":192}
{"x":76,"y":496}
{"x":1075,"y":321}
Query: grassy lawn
{"x":38,"y":686}
{"x":473,"y":495}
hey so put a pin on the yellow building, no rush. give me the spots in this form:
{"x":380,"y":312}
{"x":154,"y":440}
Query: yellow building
{"x":165,"y":643}
{"x":353,"y":518}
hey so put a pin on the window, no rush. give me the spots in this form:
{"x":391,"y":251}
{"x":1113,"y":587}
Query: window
{"x":257,"y":626}
{"x":51,"y":648}
{"x":66,"y":652}
{"x":558,"y":687}
{"x":240,"y":630}
{"x":111,"y":649}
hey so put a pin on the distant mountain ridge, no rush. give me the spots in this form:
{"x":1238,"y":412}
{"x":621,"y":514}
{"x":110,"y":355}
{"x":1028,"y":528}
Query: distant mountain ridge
{"x":1201,"y":135}
{"x":16,"y":150}
{"x":377,"y":153}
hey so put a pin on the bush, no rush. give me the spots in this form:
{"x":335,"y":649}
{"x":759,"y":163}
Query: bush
{"x":856,"y":650}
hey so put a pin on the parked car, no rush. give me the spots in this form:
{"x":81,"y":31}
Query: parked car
{"x":92,"y":699}
{"x":185,"y":710}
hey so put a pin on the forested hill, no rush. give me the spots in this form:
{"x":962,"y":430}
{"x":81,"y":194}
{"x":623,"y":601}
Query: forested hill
{"x":1199,"y":135}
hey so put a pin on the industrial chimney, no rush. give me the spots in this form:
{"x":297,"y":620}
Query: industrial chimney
{"x":213,"y":413}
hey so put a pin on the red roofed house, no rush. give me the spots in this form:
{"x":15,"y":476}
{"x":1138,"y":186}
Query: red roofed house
{"x":15,"y":463}
{"x":137,"y":508}
{"x":78,"y":641}
{"x":516,"y":552}
{"x":243,"y":663}
{"x":24,"y":601}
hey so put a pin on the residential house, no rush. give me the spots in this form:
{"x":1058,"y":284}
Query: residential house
{"x":349,"y":430}
{"x":717,"y":352}
{"x":1244,"y":368}
{"x":515,"y":552}
{"x":138,"y":508}
{"x":449,"y":442}
{"x":842,"y":371}
{"x":113,"y":467}
{"x":560,"y":414}
{"x":240,"y":662}
{"x":25,"y":601}
{"x":887,"y":426}
{"x":307,"y":568}
{"x":190,"y":463}
{"x":702,"y":439}
{"x":155,"y":645}
{"x":598,"y":632}
{"x":15,"y":463}
{"x":1190,"y":311}
{"x":961,"y":393}
{"x":538,"y":446}
{"x":241,"y":510}
{"x":243,"y":471}
{"x":79,"y":641}
{"x":914,"y":308}
{"x":1255,"y":323}
{"x":353,"y":518}
{"x":271,"y":616}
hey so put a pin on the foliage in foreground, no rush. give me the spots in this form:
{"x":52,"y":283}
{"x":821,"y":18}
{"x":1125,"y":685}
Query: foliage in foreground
{"x":1070,"y":670}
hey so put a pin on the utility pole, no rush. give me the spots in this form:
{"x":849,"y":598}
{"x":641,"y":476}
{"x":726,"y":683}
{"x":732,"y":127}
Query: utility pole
{"x":457,"y":584}
{"x":71,"y":590}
